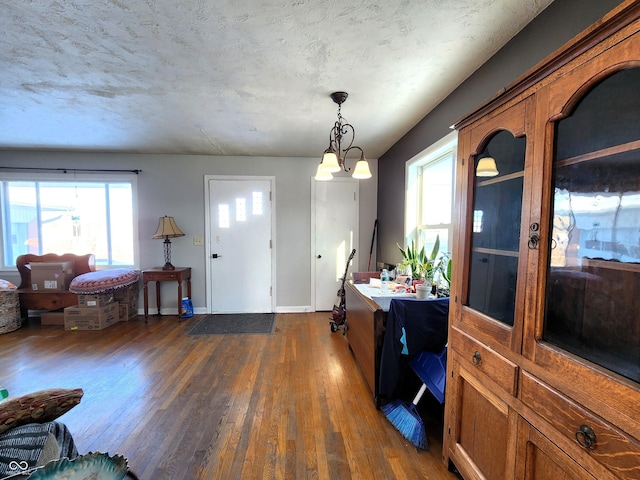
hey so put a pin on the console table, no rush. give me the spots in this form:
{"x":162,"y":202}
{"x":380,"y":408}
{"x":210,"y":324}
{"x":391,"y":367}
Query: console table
{"x":179,"y":274}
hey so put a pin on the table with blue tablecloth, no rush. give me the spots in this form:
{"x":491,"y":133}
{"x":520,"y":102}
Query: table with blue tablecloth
{"x":367,"y":312}
{"x":412,"y":326}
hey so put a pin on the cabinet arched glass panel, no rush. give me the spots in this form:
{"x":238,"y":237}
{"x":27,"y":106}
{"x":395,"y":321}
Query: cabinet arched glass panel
{"x":497,"y":210}
{"x":593,"y":277}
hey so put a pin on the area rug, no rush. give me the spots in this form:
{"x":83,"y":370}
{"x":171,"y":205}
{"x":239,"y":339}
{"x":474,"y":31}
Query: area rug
{"x":235,"y":323}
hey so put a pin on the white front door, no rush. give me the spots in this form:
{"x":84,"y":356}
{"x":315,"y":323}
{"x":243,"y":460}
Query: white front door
{"x":336,"y":234}
{"x":239,"y":244}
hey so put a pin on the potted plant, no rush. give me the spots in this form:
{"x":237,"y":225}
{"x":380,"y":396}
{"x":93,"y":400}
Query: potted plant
{"x":422,"y":267}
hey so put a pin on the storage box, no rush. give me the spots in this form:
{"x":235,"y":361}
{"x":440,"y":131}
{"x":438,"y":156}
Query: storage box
{"x":90,"y":318}
{"x":124,"y":295}
{"x":52,"y":318}
{"x":128,"y":300}
{"x":95,"y":300}
{"x":128,"y":311}
{"x":51,"y":275}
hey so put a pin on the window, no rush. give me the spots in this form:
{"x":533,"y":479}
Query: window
{"x":69,"y":214}
{"x":429,"y":196}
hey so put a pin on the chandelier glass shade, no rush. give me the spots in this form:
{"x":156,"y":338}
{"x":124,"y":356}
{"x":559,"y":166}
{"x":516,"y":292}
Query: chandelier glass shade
{"x":334,"y":157}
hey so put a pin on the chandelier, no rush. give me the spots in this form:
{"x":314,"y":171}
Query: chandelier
{"x":334,"y":158}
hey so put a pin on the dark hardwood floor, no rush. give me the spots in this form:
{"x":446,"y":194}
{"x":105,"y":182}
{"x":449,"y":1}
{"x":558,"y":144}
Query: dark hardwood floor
{"x":288,"y":405}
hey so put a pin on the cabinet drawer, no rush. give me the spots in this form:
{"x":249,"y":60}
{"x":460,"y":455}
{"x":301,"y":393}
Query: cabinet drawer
{"x":483,"y":359}
{"x":161,"y":277}
{"x":613,"y":449}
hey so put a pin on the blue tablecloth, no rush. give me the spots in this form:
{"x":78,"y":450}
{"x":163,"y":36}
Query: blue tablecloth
{"x":413,"y":326}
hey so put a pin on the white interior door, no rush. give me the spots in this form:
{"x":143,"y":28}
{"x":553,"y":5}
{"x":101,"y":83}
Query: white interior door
{"x":336,"y":234}
{"x":239,"y":245}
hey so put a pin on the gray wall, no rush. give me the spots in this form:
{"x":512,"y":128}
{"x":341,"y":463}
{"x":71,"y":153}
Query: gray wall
{"x":174,"y":185}
{"x":556,"y":25}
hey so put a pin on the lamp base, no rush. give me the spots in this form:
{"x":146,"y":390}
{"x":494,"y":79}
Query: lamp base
{"x":168,"y":266}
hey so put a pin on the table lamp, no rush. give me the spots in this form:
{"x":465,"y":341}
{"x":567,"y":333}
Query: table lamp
{"x":167,"y":228}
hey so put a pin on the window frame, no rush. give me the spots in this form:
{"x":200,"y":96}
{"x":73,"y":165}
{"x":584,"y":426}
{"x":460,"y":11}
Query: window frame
{"x":68,"y":177}
{"x":414,"y":169}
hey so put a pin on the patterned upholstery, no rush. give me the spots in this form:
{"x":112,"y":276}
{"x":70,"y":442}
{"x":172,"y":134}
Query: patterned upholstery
{"x":103,"y":281}
{"x":32,"y":445}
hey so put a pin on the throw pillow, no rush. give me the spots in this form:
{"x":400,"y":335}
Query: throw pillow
{"x":38,"y":407}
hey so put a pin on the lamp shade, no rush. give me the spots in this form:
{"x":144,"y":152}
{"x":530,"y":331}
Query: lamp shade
{"x":486,"y":167}
{"x":362,"y":171}
{"x":167,"y":228}
{"x":330,"y":161}
{"x":322,"y":174}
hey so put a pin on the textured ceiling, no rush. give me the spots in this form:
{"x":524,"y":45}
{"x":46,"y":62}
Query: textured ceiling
{"x":236,"y":77}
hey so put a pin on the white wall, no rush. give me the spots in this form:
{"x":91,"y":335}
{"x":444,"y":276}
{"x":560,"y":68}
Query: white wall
{"x":174,"y":185}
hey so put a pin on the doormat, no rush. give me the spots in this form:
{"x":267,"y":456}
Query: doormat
{"x":235,"y":323}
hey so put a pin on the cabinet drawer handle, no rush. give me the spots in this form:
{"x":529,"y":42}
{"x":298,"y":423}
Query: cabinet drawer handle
{"x":477,"y":358}
{"x":586,"y":437}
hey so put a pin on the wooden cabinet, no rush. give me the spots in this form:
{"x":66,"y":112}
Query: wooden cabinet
{"x":544,"y":338}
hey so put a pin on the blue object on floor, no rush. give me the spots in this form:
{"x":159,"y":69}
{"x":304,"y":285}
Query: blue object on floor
{"x":431,"y":368}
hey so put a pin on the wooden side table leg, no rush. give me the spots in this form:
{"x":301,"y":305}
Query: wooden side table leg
{"x":146,"y":301}
{"x":158,"y":296}
{"x":179,"y":299}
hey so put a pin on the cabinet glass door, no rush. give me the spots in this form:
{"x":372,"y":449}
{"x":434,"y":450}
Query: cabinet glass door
{"x":593,"y":275}
{"x":495,"y":230}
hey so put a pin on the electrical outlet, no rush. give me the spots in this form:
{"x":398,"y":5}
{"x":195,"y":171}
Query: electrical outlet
{"x":198,"y":241}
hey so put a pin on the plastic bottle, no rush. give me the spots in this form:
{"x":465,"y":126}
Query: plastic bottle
{"x":384,"y":280}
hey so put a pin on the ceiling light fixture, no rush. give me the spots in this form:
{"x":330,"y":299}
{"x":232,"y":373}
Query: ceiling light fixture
{"x":334,"y":161}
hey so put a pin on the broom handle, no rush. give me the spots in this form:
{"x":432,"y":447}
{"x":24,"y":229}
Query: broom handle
{"x":419,"y":394}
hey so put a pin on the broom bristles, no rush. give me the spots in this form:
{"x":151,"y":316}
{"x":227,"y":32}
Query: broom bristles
{"x":405,"y":418}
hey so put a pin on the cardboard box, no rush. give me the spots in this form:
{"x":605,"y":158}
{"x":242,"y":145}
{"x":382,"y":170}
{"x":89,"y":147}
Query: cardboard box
{"x":52,"y":318}
{"x":90,"y":318}
{"x":96,"y":300}
{"x":51,"y":275}
{"x":128,"y":299}
{"x":128,"y":311}
{"x":126,"y":294}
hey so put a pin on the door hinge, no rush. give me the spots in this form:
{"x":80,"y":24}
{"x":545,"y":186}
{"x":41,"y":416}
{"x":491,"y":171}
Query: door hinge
{"x":270,"y":196}
{"x":270,"y":244}
{"x":271,"y":291}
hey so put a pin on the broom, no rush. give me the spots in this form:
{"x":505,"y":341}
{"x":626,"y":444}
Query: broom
{"x":406,"y":419}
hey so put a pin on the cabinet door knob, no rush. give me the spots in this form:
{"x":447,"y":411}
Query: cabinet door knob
{"x":477,"y":358}
{"x":586,"y":437}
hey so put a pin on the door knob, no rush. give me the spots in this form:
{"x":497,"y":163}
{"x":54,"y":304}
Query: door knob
{"x":319,"y":256}
{"x":215,"y":255}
